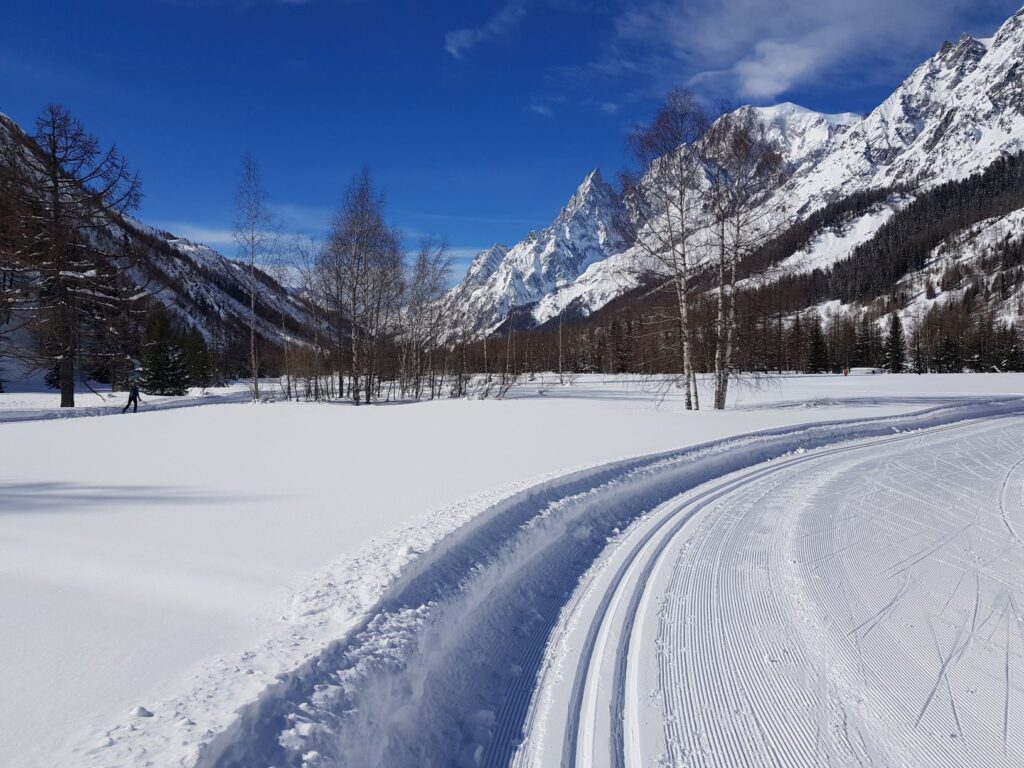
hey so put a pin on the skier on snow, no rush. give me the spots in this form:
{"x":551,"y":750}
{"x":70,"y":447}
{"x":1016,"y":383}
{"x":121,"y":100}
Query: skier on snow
{"x":133,"y":400}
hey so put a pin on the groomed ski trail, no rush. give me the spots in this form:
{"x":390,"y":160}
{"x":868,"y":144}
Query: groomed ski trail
{"x":841,"y":607}
{"x":444,"y":671}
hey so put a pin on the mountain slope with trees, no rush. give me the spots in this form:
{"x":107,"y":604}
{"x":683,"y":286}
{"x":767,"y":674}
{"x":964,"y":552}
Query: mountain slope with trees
{"x":79,"y":275}
{"x":956,"y":114}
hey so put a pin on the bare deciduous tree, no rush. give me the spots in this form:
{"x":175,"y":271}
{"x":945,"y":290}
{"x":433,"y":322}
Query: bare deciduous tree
{"x":304,"y":256}
{"x":665,"y":206}
{"x":743,"y":168}
{"x":363,"y":261}
{"x":255,"y":234}
{"x":423,"y":318}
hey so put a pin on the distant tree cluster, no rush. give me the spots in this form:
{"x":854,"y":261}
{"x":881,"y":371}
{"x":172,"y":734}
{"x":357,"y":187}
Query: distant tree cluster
{"x":905,"y":242}
{"x":378,"y":322}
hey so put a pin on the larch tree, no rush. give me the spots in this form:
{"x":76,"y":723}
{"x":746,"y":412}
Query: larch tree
{"x":69,"y":281}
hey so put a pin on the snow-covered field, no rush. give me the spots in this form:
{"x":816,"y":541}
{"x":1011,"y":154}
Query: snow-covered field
{"x":428,"y":562}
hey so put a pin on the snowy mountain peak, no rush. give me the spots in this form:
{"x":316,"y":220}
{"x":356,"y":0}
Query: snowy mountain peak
{"x":592,"y":178}
{"x":593,"y":196}
{"x":500,"y":278}
{"x":1009,"y":28}
{"x":787,"y":110}
{"x":802,"y":134}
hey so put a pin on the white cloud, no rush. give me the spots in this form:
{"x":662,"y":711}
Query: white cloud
{"x":775,"y":67}
{"x":760,"y":49}
{"x":502,"y":23}
{"x":543,"y":111}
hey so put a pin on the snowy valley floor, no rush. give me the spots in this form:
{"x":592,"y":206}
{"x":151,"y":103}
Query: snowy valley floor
{"x":390,"y":563}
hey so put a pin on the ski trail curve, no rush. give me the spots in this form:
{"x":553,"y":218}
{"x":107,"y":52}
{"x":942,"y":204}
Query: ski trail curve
{"x":729,"y":629}
{"x":444,"y":670}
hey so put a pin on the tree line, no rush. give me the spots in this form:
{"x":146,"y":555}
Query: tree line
{"x":376,"y":328}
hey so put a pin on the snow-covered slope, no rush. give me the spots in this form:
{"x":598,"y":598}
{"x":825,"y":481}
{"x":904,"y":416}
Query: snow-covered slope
{"x":956,"y":113}
{"x":959,"y":261}
{"x":198,"y":285}
{"x":206,"y":289}
{"x":802,"y":135}
{"x":834,"y":245}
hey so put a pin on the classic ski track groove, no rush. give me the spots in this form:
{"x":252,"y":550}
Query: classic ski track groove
{"x":606,"y":711}
{"x":677,"y":516}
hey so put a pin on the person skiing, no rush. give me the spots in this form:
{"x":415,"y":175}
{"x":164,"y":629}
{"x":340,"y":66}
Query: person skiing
{"x":133,"y":399}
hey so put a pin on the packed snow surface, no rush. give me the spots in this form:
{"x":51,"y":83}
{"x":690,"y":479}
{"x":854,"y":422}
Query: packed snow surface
{"x":851,"y":606}
{"x":160,"y":571}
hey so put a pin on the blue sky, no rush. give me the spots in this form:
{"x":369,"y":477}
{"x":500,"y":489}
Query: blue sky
{"x":477,"y":118}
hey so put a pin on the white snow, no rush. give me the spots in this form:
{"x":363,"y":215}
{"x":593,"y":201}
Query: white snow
{"x":831,"y":246}
{"x":175,"y":562}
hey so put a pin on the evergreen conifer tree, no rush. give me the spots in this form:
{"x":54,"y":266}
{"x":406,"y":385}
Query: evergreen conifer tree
{"x":920,"y":361}
{"x":1007,"y":354}
{"x":866,"y":350}
{"x":949,"y":356}
{"x":163,"y":364}
{"x":197,"y":360}
{"x":817,"y":351}
{"x":895,"y":351}
{"x":796,"y":351}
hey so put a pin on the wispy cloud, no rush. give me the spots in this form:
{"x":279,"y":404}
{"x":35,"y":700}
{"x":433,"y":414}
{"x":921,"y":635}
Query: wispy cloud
{"x":760,"y":50}
{"x":307,"y":219}
{"x":220,"y":238}
{"x":542,"y":110}
{"x":290,"y":220}
{"x":459,"y":41}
